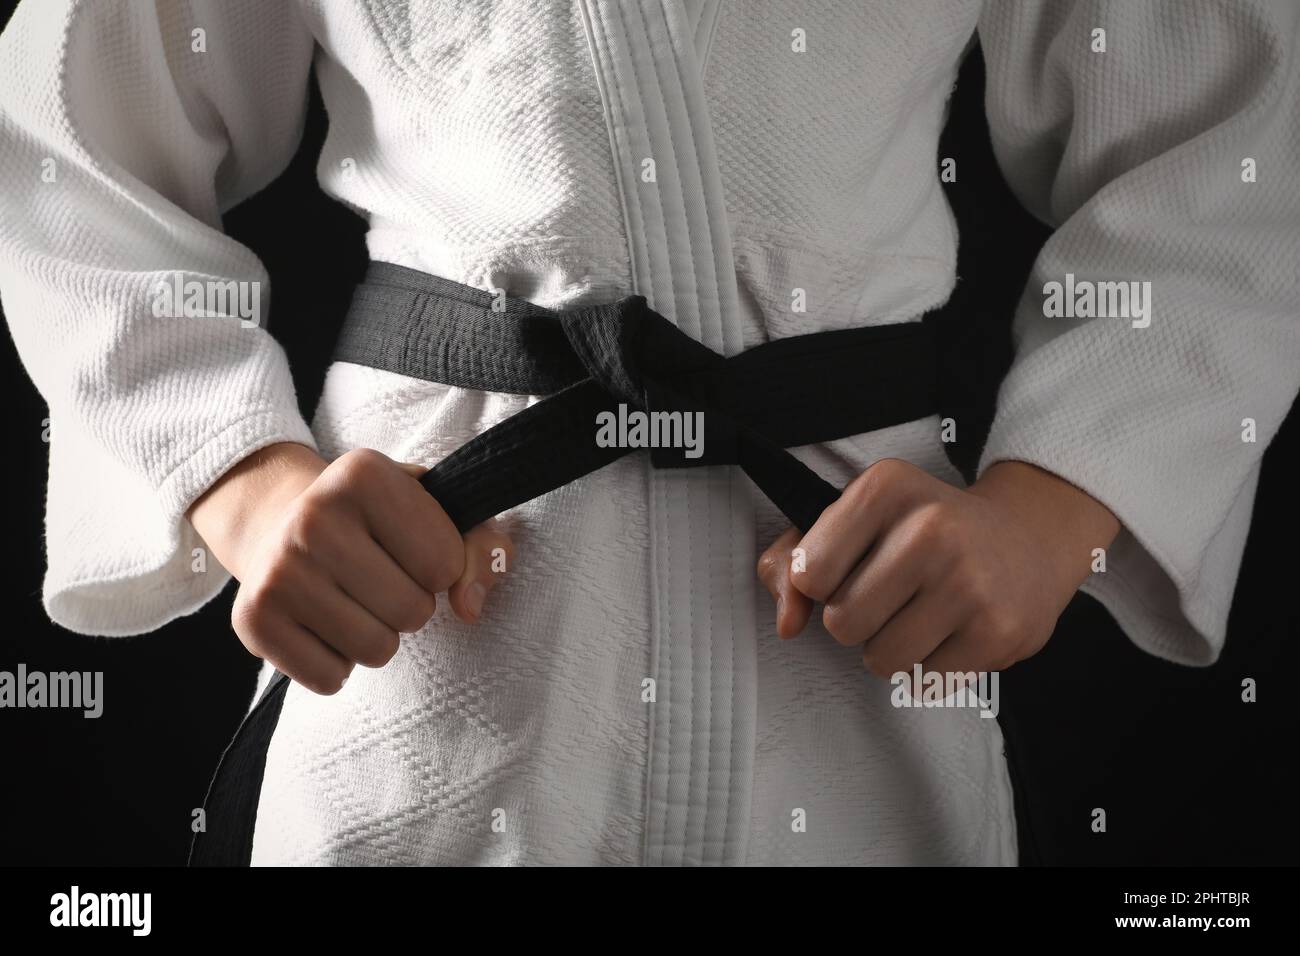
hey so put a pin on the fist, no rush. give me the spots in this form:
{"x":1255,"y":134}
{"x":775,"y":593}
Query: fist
{"x":350,"y":562}
{"x":916,"y":571}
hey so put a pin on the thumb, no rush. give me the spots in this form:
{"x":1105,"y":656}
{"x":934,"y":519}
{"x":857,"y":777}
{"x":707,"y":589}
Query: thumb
{"x":793,"y":608}
{"x":411,"y":468}
{"x":489,"y":554}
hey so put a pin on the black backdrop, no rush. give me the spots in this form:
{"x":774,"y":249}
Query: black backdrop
{"x":1186,"y":771}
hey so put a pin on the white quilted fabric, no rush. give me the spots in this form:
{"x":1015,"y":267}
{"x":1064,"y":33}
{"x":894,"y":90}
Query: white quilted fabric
{"x":479,"y":140}
{"x":536,"y":712}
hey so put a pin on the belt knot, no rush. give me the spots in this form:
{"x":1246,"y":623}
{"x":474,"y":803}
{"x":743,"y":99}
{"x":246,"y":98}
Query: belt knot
{"x":642,"y":359}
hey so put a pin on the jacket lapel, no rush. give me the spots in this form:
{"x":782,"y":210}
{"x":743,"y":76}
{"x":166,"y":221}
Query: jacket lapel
{"x":649,"y":56}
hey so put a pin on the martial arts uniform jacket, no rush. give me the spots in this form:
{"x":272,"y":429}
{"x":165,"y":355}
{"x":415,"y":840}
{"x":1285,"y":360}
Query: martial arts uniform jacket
{"x":724,"y":160}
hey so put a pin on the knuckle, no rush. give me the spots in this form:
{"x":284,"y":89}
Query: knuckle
{"x":931,"y":525}
{"x":1000,"y":662}
{"x":255,"y":608}
{"x":248,"y":619}
{"x":886,"y":471}
{"x":814,"y":581}
{"x":864,"y":487}
{"x":251,"y":607}
{"x":326,"y":682}
{"x":379,"y":649}
{"x":838,"y":621}
{"x":878,"y":664}
{"x":279,"y":579}
{"x":1002,"y":630}
{"x":312,"y":524}
{"x":415,"y":613}
{"x":891,"y":467}
{"x":448,"y":565}
{"x":361,"y":465}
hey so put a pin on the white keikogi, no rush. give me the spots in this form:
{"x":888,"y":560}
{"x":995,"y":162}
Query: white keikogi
{"x":715,"y":158}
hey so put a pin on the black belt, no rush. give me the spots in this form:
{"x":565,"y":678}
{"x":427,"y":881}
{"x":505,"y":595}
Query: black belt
{"x":794,"y":391}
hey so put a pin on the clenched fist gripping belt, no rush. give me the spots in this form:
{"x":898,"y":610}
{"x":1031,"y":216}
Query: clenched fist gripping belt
{"x":793,"y":391}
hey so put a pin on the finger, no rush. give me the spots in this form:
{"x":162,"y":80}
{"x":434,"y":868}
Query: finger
{"x":874,"y":591}
{"x":793,"y":609}
{"x":912,"y":635}
{"x":370,"y":576}
{"x":986,"y":642}
{"x":489,"y":554}
{"x":319,"y":604}
{"x":847,"y":529}
{"x":960,"y":653}
{"x":293,"y":650}
{"x":406,"y":521}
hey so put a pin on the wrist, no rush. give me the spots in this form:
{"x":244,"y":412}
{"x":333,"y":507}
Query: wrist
{"x":232,"y":514}
{"x":1067,"y":521}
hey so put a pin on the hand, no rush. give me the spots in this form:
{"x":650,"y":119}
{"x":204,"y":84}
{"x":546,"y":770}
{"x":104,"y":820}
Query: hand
{"x":918,"y":571}
{"x":336,"y":559}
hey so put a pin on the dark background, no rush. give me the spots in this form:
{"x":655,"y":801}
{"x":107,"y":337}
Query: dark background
{"x":1186,"y":771}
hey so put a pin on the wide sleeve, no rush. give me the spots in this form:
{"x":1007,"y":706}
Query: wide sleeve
{"x":126,"y":128}
{"x":1170,"y":159}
